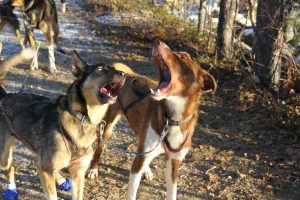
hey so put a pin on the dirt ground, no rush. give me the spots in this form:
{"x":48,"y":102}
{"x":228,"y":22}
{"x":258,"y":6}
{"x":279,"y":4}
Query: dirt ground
{"x":235,"y":154}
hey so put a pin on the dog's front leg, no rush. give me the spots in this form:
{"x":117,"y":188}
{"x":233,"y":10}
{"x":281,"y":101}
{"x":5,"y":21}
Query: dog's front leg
{"x":77,"y":177}
{"x":140,"y":165}
{"x":49,"y":34}
{"x":48,"y":183}
{"x":93,"y":172}
{"x":29,"y":37}
{"x":77,"y":172}
{"x":64,"y":6}
{"x":172,"y":172}
{"x":173,"y":163}
{"x":136,"y":173}
{"x":19,"y":37}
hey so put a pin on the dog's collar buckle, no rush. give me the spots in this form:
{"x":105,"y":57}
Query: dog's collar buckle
{"x":84,"y":119}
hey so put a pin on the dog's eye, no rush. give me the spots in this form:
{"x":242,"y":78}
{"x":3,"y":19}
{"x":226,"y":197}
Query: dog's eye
{"x":100,"y":69}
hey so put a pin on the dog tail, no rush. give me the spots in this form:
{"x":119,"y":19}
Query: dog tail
{"x":14,"y":60}
{"x":124,"y":68}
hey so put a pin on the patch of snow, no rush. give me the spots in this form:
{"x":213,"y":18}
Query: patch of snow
{"x":248,"y":32}
{"x":213,"y":5}
{"x":115,"y":20}
{"x":241,"y":19}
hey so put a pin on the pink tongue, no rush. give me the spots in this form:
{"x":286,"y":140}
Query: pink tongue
{"x":103,"y":90}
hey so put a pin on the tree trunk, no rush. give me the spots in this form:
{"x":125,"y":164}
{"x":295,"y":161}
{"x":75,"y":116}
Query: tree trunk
{"x":268,"y":42}
{"x":225,"y":31}
{"x":202,"y":16}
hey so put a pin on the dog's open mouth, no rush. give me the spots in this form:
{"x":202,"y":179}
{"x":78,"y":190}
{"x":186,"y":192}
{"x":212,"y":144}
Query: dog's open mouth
{"x":109,"y":91}
{"x":164,"y":74}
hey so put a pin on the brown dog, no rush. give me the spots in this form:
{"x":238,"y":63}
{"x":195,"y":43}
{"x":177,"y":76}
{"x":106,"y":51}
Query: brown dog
{"x":40,"y":14}
{"x":172,"y":106}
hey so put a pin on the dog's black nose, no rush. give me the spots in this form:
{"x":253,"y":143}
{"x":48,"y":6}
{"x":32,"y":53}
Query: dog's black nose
{"x":156,"y":42}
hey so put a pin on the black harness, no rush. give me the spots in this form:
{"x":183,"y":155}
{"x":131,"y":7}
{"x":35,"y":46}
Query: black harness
{"x":74,"y":151}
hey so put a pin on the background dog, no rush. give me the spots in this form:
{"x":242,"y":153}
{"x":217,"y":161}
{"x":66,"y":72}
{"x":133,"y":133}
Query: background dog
{"x":60,"y":132}
{"x":8,"y":18}
{"x":40,"y":14}
{"x":172,"y":106}
{"x":63,"y":6}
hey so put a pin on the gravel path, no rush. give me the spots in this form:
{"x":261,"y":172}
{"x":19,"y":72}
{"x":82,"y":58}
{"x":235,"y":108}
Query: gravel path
{"x":235,"y":154}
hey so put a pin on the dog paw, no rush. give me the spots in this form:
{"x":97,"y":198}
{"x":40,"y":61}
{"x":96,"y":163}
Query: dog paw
{"x":34,"y":66}
{"x":10,"y":194}
{"x":66,"y":186}
{"x":64,"y":8}
{"x":92,"y":173}
{"x":52,"y":69}
{"x":148,"y":174}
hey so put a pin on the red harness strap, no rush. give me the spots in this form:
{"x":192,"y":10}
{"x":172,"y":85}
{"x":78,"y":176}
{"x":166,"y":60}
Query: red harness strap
{"x":14,"y":132}
{"x":168,"y":148}
{"x":62,"y":132}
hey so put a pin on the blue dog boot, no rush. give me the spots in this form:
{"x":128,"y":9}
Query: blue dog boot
{"x":10,"y":194}
{"x":66,"y":186}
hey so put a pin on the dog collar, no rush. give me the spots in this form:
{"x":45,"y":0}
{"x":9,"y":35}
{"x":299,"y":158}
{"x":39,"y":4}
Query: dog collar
{"x":81,"y":117}
{"x":85,"y":119}
{"x":172,"y":122}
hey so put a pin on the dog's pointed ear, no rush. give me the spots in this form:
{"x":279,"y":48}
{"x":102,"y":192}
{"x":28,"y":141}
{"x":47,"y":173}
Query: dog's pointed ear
{"x":78,"y":65}
{"x":207,"y":81}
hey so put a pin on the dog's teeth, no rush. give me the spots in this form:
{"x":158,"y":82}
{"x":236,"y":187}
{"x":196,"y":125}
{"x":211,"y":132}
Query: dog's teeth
{"x":152,"y":91}
{"x":109,"y":94}
{"x":158,"y":91}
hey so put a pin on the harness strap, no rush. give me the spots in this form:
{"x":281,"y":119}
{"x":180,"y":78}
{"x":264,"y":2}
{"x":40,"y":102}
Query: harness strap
{"x":68,"y":142}
{"x":62,"y":132}
{"x":169,"y":148}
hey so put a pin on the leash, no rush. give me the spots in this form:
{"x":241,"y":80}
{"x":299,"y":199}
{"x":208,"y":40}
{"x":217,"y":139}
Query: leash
{"x":130,"y":153}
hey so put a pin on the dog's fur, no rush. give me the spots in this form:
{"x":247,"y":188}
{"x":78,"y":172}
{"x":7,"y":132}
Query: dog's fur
{"x":52,"y":129}
{"x":40,"y":14}
{"x":8,"y":18}
{"x":63,"y":6}
{"x":182,"y":83}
